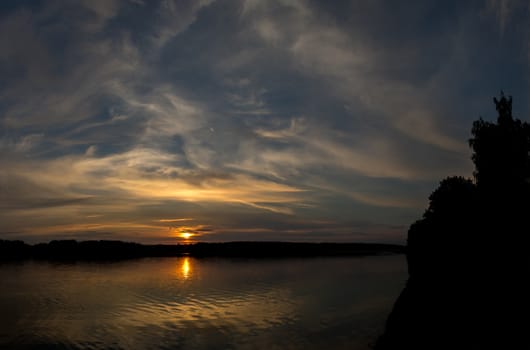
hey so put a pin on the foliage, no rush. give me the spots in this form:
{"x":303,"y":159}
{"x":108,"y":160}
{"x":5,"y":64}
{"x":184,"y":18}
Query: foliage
{"x":463,"y":215}
{"x":468,"y":256}
{"x":501,"y":151}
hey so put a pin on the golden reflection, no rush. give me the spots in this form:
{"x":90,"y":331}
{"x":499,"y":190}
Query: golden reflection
{"x":185,"y":268}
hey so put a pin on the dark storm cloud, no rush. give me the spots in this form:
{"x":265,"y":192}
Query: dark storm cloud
{"x":295,"y":120}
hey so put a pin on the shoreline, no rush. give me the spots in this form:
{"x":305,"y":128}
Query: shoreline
{"x":103,"y":250}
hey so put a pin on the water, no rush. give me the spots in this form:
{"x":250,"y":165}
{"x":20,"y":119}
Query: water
{"x":188,"y":303}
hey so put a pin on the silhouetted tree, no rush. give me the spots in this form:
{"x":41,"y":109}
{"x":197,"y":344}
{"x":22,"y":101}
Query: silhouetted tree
{"x":446,"y":225}
{"x":501,"y":150}
{"x":468,"y":256}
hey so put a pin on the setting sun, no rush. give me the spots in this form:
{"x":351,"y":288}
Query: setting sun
{"x":185,"y":235}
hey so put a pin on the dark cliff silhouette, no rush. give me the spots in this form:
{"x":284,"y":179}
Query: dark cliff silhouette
{"x":469,"y":267}
{"x":71,"y":250}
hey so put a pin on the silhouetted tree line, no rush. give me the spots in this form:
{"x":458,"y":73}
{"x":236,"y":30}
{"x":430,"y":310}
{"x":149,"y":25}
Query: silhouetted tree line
{"x":469,"y":266}
{"x":291,"y":249}
{"x":71,"y":250}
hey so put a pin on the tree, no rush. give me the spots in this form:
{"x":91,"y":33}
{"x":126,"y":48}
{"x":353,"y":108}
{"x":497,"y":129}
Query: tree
{"x":447,"y":225}
{"x":469,"y":255}
{"x":501,"y":151}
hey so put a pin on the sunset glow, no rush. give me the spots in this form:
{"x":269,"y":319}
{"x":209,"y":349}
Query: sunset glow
{"x":186,"y":235}
{"x":163,"y":129}
{"x":209,"y":174}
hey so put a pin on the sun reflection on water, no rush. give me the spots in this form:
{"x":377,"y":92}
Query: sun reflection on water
{"x":185,"y":268}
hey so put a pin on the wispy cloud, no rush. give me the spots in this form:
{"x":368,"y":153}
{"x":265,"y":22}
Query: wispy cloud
{"x":301,"y":118}
{"x":175,"y":220}
{"x":503,"y":10}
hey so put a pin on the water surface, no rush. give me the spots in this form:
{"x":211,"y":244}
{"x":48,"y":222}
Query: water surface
{"x":188,"y":303}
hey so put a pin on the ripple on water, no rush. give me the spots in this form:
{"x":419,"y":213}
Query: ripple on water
{"x":203,"y":304}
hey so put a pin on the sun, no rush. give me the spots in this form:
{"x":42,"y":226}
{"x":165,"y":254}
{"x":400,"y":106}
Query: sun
{"x":185,"y":235}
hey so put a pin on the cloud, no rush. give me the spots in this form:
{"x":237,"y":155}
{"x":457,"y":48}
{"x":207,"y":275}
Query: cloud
{"x":175,"y":220}
{"x":90,"y":151}
{"x":349,"y":64}
{"x":503,"y":10}
{"x":241,"y":114}
{"x":146,"y":174}
{"x":307,"y":144}
{"x":173,"y":17}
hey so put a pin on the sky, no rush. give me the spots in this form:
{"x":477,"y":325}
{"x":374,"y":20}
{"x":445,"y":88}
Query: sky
{"x":291,"y":120}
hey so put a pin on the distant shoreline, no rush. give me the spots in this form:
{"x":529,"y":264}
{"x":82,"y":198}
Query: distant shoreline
{"x":71,"y":250}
